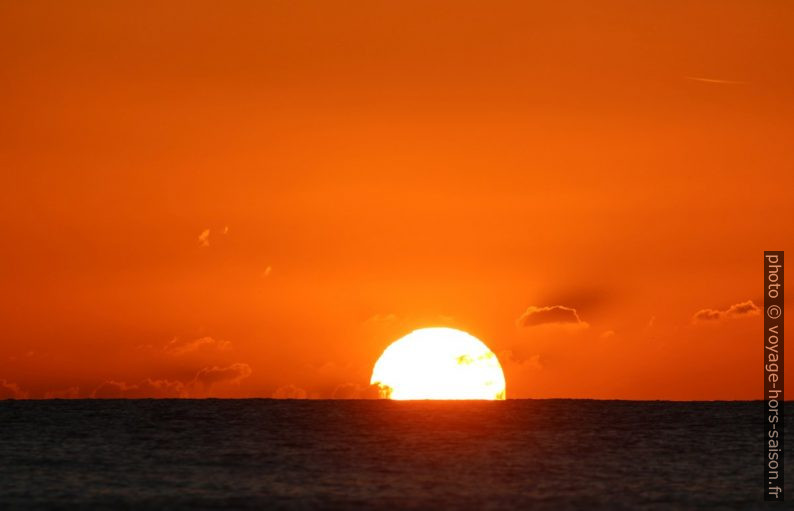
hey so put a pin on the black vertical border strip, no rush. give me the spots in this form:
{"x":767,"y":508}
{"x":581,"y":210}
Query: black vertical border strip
{"x":773,"y":389}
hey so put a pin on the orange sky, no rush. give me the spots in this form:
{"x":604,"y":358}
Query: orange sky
{"x":395,"y":165}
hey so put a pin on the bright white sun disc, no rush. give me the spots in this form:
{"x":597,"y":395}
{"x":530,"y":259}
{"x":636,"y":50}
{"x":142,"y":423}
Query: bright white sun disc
{"x":439,"y":363}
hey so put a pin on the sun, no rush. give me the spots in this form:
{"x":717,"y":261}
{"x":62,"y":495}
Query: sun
{"x":439,"y":363}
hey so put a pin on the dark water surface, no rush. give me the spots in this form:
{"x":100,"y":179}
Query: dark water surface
{"x":266,"y":454}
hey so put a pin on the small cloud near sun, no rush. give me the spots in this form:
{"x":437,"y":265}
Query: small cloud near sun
{"x":736,"y":311}
{"x":551,"y":315}
{"x":204,"y":238}
{"x":511,"y":360}
{"x":382,"y":318}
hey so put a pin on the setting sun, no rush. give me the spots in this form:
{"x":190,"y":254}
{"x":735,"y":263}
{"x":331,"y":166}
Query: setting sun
{"x":439,"y":363}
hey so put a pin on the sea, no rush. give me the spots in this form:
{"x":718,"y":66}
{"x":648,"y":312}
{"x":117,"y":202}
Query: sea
{"x":382,"y":455}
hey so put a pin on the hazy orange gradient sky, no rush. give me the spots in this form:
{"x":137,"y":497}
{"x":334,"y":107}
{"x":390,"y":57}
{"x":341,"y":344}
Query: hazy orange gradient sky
{"x":254,"y":198}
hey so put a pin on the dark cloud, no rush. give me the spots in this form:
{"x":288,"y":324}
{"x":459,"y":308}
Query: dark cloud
{"x":508,"y":359}
{"x":233,"y":373}
{"x":552,"y":315}
{"x":739,"y":310}
{"x":581,"y":298}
